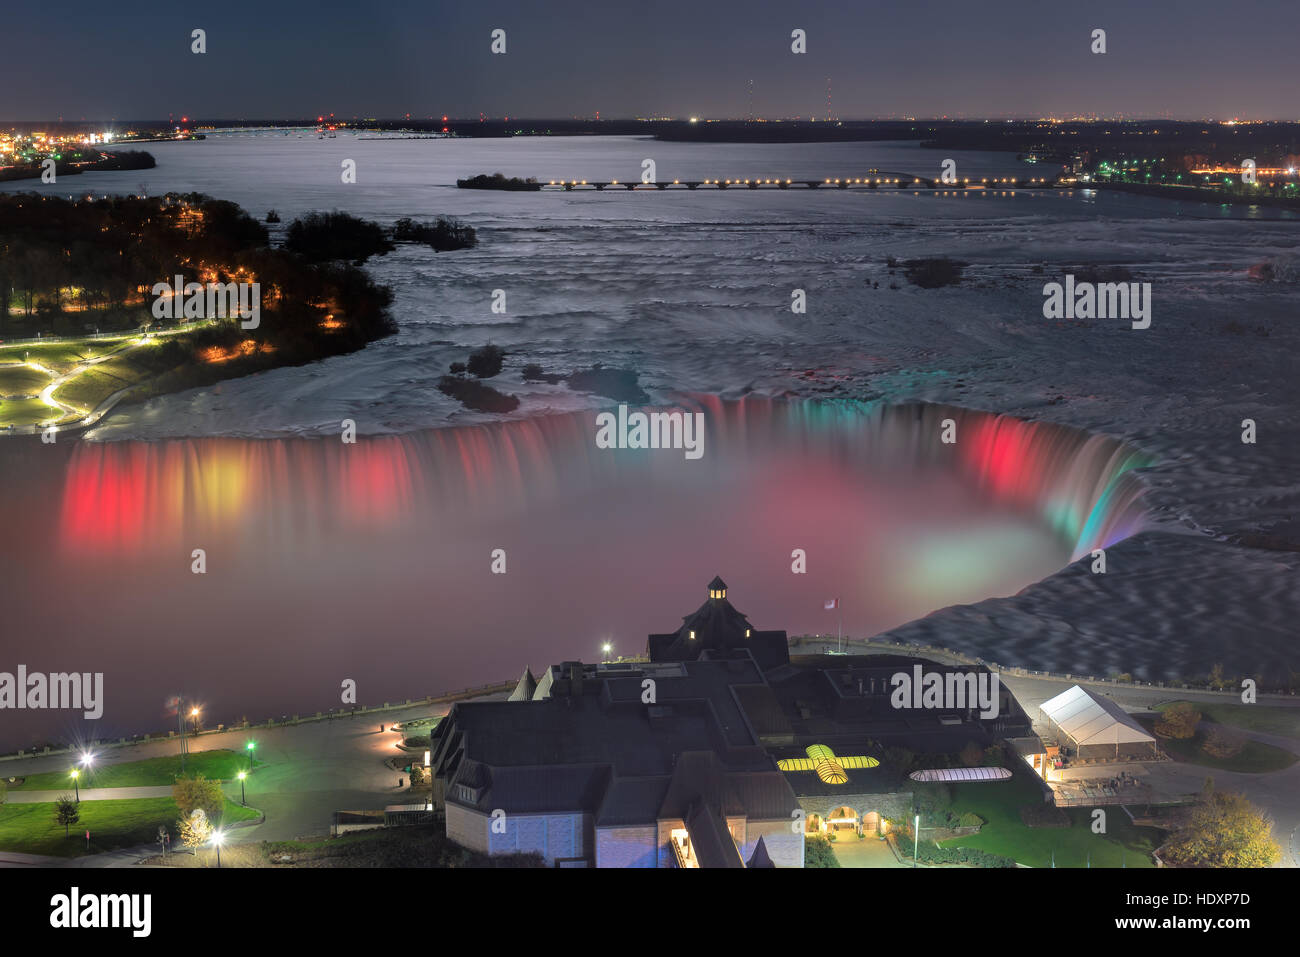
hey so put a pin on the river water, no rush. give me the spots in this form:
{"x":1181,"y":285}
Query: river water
{"x":372,"y":561}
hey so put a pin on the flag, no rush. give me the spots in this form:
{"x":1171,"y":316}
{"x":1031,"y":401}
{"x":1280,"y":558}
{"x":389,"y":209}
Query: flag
{"x":831,"y":603}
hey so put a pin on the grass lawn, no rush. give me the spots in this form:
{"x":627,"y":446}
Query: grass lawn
{"x":61,"y":356}
{"x":1255,"y":757}
{"x":1005,"y":833}
{"x":22,"y":380}
{"x":27,"y":412}
{"x":220,"y":765}
{"x":31,"y":828}
{"x":96,"y":383}
{"x":1268,"y":719}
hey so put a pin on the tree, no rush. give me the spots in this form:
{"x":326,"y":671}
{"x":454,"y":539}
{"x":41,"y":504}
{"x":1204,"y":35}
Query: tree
{"x":198,"y":793}
{"x":1179,"y":720}
{"x":194,"y":830}
{"x":817,"y":852}
{"x":1223,"y":742}
{"x":1223,"y":830}
{"x":66,"y":812}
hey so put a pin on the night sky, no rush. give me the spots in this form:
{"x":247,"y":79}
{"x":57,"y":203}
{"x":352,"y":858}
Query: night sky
{"x":132,"y":59}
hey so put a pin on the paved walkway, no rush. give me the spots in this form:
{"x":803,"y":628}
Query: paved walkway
{"x":88,"y":794}
{"x":868,"y":852}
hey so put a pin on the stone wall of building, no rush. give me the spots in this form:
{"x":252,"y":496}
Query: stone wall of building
{"x":467,"y":828}
{"x":554,"y":836}
{"x":627,"y":847}
{"x":893,"y":805}
{"x":551,"y":835}
{"x":783,"y":842}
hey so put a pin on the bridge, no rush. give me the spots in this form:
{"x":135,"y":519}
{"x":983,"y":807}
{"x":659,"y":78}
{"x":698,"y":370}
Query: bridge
{"x":876,"y":179}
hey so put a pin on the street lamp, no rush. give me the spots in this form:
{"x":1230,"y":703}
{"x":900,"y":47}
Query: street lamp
{"x":76,"y":774}
{"x":194,"y":713}
{"x":242,"y":775}
{"x":916,"y":838}
{"x":217,"y":838}
{"x":250,"y":747}
{"x":607,"y":648}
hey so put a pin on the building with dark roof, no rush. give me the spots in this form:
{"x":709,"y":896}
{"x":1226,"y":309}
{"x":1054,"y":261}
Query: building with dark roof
{"x":618,"y":765}
{"x":721,"y":751}
{"x":718,"y":627}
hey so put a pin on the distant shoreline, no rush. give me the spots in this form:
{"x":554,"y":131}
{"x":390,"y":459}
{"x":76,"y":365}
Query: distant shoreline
{"x":111,"y":162}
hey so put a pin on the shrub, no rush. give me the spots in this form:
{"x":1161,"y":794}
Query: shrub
{"x":198,"y":793}
{"x":1223,"y":742}
{"x":932,"y":854}
{"x":933,"y":273}
{"x":485,"y":362}
{"x":817,"y":852}
{"x":1179,"y":720}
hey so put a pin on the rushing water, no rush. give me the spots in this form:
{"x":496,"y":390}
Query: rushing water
{"x":373,"y":561}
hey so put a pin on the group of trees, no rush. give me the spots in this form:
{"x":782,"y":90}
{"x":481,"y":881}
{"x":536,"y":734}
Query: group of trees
{"x":100,"y":258}
{"x":110,"y":253}
{"x":338,"y":236}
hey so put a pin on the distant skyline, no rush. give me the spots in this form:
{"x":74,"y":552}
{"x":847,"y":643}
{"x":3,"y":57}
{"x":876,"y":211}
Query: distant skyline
{"x":1194,"y":59}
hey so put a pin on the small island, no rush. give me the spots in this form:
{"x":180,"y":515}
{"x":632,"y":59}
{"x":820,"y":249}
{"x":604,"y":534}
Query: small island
{"x":500,"y":181}
{"x":116,"y":300}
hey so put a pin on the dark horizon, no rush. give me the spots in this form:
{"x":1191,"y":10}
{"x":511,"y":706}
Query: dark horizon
{"x":931,"y":59}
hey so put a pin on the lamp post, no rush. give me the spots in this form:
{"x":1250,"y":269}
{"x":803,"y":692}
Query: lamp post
{"x":242,"y":775}
{"x":916,"y":838}
{"x":607,"y":648}
{"x":250,"y":747}
{"x":76,"y":774}
{"x":194,"y":713}
{"x":217,"y":838}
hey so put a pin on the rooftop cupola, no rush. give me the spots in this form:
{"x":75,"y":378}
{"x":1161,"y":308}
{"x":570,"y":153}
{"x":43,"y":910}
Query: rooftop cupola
{"x":717,"y":588}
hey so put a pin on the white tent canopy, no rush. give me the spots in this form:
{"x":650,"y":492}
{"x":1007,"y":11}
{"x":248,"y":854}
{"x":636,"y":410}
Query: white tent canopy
{"x":1089,"y":719}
